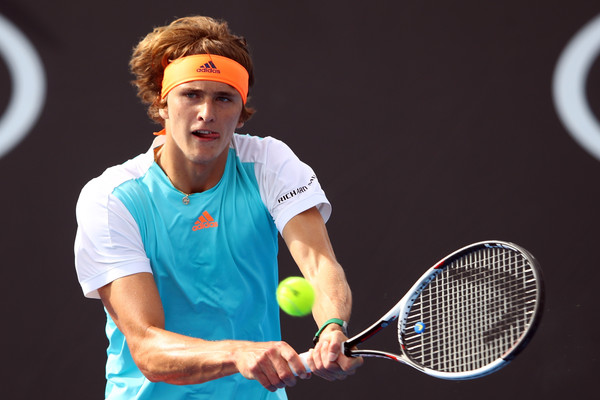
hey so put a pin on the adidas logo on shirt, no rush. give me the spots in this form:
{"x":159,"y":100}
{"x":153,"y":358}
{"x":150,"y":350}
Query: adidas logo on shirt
{"x":209,"y":67}
{"x":205,"y":221}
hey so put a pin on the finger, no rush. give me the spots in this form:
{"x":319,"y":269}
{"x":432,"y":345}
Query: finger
{"x":334,"y":350}
{"x":310,"y":361}
{"x":316,"y":363}
{"x":264,"y":380}
{"x":285,"y":373}
{"x":351,"y":364}
{"x":337,"y":365}
{"x":301,"y":369}
{"x":285,"y":361}
{"x":269,"y":371}
{"x":324,"y":367}
{"x":330,"y":356}
{"x":272,"y":379}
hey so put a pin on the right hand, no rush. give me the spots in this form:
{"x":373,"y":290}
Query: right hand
{"x":270,"y":363}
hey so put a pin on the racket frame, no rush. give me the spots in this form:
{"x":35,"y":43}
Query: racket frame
{"x":401,"y":310}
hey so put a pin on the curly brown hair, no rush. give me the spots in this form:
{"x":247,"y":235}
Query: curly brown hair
{"x":184,"y":37}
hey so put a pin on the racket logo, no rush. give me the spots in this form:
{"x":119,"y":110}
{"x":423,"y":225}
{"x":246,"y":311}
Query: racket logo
{"x":419,"y":327}
{"x":497,"y":302}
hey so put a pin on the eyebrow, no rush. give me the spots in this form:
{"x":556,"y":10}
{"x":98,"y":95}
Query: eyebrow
{"x":218,"y":93}
{"x":223,"y":90}
{"x":226,"y":92}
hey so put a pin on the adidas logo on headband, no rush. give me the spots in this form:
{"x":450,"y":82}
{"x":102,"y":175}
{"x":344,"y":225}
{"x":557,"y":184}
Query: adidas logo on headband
{"x":209,"y":67}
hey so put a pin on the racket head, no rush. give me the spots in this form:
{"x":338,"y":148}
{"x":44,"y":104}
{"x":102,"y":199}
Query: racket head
{"x":472,"y":312}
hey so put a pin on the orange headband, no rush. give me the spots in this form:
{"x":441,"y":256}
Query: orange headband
{"x":205,"y":67}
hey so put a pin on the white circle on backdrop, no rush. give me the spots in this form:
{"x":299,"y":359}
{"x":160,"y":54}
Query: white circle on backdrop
{"x":28,"y":86}
{"x":569,"y":83}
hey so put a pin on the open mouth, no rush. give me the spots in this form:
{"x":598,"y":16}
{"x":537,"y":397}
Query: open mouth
{"x":205,"y":134}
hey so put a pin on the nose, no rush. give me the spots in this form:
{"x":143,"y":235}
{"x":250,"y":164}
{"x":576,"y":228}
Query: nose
{"x":206,"y":111}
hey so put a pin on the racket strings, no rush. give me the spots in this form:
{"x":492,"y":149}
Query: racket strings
{"x":474,"y":311}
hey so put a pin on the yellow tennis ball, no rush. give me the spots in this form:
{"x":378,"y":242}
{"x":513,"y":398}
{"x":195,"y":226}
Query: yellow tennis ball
{"x":295,"y":296}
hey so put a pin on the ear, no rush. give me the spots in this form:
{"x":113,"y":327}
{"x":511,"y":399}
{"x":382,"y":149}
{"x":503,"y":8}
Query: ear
{"x":241,"y":121}
{"x":163,"y":112}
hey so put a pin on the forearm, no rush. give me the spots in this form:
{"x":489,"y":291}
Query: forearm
{"x":333,"y":296}
{"x":172,"y":358}
{"x":180,"y":360}
{"x":309,"y":245}
{"x":334,"y":300}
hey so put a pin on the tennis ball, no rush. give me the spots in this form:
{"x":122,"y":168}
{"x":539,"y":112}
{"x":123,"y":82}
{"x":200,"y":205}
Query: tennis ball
{"x":295,"y":296}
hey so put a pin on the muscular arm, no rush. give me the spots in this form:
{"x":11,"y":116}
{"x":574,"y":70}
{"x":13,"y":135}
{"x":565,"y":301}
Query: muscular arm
{"x":308,"y":241}
{"x":135,"y":306}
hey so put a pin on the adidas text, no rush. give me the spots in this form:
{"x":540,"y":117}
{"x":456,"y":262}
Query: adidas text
{"x":201,"y":225}
{"x":209,"y":70}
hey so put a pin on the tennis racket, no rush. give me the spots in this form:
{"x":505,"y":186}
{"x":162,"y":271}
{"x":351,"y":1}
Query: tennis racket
{"x":467,"y":316}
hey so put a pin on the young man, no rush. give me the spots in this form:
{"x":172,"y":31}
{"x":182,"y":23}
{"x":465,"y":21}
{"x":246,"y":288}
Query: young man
{"x":180,"y":243}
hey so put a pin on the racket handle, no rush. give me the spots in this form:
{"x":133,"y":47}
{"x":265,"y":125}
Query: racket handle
{"x":303,"y":357}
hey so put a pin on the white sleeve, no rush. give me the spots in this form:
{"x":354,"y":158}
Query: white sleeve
{"x":287,"y":185}
{"x":108,"y":243}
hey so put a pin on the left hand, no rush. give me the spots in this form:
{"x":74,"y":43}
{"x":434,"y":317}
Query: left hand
{"x":327,"y":359}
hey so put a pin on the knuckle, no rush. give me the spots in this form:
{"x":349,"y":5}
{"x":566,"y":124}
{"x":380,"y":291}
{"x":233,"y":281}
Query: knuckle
{"x":286,"y":375}
{"x":254,"y":369}
{"x":280,"y":346}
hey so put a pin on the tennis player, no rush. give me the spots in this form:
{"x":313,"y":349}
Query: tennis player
{"x":180,"y":242}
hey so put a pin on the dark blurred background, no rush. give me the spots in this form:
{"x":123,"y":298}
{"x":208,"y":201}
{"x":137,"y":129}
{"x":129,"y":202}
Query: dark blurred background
{"x":431,"y":125}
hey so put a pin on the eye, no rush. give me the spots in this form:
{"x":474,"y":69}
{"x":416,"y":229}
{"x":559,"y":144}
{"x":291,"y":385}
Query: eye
{"x":224,"y":99}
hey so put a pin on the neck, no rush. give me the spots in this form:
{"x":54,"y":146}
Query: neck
{"x":189,"y":177}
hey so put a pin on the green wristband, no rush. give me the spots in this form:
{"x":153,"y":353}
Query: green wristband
{"x":337,"y":321}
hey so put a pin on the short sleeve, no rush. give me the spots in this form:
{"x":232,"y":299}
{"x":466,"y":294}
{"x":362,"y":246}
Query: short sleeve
{"x":108,"y":243}
{"x":287,"y":185}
